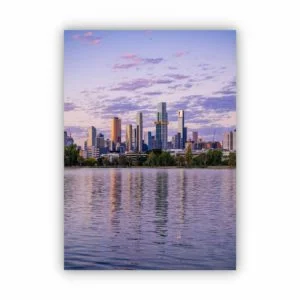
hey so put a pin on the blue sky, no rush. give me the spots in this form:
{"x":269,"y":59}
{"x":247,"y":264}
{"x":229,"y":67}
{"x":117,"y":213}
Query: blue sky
{"x":118,"y":73}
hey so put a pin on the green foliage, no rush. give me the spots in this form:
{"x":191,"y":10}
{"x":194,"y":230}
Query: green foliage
{"x":188,"y":156}
{"x":232,"y":159}
{"x":214,"y":157}
{"x":152,"y":160}
{"x":180,"y":161}
{"x":71,"y":155}
{"x":91,"y":162}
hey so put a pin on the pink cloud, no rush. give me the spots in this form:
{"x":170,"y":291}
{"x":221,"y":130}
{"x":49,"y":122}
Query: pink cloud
{"x":129,"y":56}
{"x":87,"y":38}
{"x":89,"y":33}
{"x":180,"y":53}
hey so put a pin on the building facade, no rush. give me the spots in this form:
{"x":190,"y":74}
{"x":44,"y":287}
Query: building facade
{"x":91,"y":141}
{"x":128,"y":137}
{"x":116,"y":130}
{"x":139,"y":131}
{"x":162,"y":126}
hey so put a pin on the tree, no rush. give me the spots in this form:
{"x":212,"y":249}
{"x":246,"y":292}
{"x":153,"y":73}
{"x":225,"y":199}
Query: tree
{"x":232,"y":159}
{"x":188,"y":155}
{"x":71,"y":155}
{"x":151,"y":160}
{"x":123,"y":161}
{"x":179,"y":160}
{"x":91,"y":162}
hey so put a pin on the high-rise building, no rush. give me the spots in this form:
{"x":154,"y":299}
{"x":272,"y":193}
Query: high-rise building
{"x":139,"y":131}
{"x":234,"y":140}
{"x":116,"y":130}
{"x":65,"y":138}
{"x":181,"y":129}
{"x":148,"y":139}
{"x":134,"y":133}
{"x":162,"y":126}
{"x":100,"y":141}
{"x":129,"y":137}
{"x":91,"y":141}
{"x":229,"y":140}
{"x":195,"y":136}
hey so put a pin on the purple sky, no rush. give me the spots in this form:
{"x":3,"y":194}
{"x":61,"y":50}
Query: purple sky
{"x":118,"y":73}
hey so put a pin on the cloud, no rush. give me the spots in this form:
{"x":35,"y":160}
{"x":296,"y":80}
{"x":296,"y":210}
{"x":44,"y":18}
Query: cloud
{"x":174,"y":86}
{"x":133,"y":85}
{"x":129,"y":56}
{"x":228,"y":89}
{"x":163,"y":81}
{"x":220,"y":104}
{"x":180,"y":53}
{"x":125,"y":66}
{"x":177,"y":76}
{"x":87,"y":38}
{"x":135,"y":61}
{"x":187,"y":85}
{"x":152,"y":60}
{"x":153,"y":93}
{"x":69,"y":106}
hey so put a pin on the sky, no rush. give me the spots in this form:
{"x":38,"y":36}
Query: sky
{"x":119,"y":73}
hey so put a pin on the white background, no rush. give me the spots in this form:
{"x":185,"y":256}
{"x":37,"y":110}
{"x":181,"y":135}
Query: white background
{"x":31,"y":120}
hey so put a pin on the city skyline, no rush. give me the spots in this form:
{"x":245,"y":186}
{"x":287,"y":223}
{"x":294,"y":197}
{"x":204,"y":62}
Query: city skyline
{"x":121,"y":73}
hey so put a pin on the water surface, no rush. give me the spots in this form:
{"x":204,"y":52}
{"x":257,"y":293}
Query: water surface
{"x":149,"y":218}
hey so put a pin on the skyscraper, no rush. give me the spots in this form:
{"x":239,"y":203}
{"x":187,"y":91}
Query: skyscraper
{"x":139,"y":131}
{"x":116,"y":130}
{"x":162,"y":126}
{"x":148,"y":139}
{"x":195,"y":136}
{"x":181,"y":129}
{"x":226,"y":141}
{"x":91,"y":141}
{"x":129,"y":137}
{"x":100,"y":141}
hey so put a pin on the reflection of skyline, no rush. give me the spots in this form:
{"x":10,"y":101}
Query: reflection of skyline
{"x":182,"y":195}
{"x":161,"y":204}
{"x":115,"y":197}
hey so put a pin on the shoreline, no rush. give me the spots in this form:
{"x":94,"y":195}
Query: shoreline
{"x":146,"y":167}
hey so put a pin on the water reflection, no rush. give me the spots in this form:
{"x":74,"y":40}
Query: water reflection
{"x":115,"y":193}
{"x":161,"y":204}
{"x":149,"y":219}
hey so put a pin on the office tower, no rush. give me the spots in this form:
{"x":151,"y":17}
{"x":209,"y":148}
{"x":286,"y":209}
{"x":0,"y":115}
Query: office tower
{"x":195,"y":136}
{"x":134,"y":133}
{"x":226,"y":141}
{"x":139,"y":131}
{"x":65,"y":138}
{"x":162,"y":126}
{"x":116,"y":130}
{"x":100,"y":141}
{"x":91,"y":141}
{"x":181,"y":129}
{"x":129,"y":137}
{"x":148,"y":139}
{"x":177,"y":141}
{"x":234,"y":140}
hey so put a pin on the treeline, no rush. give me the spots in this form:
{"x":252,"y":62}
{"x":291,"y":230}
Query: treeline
{"x":153,"y":159}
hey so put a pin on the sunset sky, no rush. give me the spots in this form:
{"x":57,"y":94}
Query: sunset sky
{"x":120,"y":73}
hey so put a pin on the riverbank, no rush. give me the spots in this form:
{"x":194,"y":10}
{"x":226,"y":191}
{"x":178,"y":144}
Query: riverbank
{"x":147,"y":167}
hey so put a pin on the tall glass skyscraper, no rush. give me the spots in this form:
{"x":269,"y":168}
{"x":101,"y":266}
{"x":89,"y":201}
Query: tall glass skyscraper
{"x":162,"y":126}
{"x":139,"y":131}
{"x":181,"y":129}
{"x":91,"y":141}
{"x":129,"y":137}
